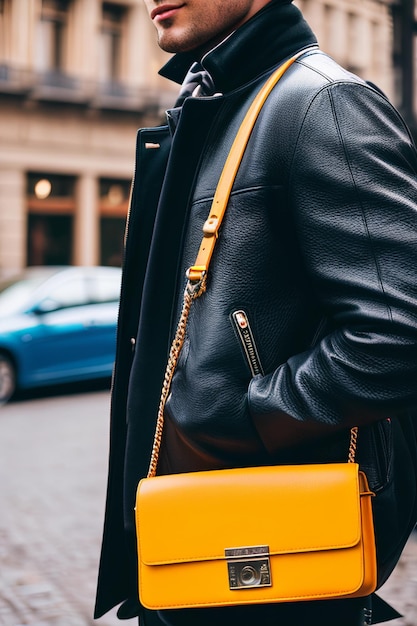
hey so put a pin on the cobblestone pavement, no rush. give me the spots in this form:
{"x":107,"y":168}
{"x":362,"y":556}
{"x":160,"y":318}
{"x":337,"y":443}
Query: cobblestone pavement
{"x":401,"y":588}
{"x":53,"y":462}
{"x":53,"y":458}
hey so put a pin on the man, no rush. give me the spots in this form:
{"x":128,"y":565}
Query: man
{"x":317,"y":255}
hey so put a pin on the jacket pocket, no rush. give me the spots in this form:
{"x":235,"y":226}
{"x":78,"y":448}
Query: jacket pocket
{"x":243,"y":330}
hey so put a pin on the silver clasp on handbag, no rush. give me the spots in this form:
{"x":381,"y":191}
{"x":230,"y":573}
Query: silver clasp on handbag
{"x":248,"y":567}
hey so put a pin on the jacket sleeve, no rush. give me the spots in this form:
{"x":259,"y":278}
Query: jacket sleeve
{"x":353,"y":191}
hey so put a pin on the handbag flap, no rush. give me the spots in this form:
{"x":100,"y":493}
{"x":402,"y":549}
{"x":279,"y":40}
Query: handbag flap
{"x":195,"y":517}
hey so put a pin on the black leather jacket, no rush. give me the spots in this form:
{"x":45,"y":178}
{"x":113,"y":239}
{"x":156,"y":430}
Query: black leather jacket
{"x":317,"y":253}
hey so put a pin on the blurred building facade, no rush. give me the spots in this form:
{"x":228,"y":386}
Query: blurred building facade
{"x":405,"y":59}
{"x":77,"y":78}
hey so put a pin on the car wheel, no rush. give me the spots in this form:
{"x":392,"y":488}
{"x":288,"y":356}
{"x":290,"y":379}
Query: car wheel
{"x":7,"y":378}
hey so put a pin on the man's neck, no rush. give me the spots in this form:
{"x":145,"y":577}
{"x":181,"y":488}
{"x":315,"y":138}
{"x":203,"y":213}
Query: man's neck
{"x":274,"y":33}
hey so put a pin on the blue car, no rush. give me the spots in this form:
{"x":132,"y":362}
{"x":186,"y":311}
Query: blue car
{"x":57,"y":325}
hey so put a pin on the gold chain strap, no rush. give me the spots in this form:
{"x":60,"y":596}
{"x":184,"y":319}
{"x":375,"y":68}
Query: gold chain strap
{"x":192,"y":292}
{"x":353,"y":444}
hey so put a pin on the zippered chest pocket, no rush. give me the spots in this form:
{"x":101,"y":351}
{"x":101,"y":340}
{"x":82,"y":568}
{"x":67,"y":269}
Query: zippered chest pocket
{"x":244,"y":332}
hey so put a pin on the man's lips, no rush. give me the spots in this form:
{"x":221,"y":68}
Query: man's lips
{"x":165,"y":10}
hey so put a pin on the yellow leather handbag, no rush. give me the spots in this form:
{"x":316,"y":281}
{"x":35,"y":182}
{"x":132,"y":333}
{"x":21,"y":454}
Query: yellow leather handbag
{"x":253,"y":535}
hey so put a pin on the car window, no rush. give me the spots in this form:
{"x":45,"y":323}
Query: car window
{"x":105,"y":287}
{"x":15,"y":293}
{"x":71,"y":292}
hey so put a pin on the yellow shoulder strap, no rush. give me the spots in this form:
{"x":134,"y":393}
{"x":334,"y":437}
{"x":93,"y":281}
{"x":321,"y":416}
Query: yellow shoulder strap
{"x":221,"y":197}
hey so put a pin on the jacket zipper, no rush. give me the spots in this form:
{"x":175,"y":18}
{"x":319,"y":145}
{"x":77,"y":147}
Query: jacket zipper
{"x":244,"y":332}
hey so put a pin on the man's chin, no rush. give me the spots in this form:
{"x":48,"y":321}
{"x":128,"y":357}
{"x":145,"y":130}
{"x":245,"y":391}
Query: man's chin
{"x":174,"y":45}
{"x":179,"y":41}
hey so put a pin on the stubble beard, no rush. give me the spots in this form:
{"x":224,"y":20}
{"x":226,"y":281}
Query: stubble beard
{"x":187,"y":40}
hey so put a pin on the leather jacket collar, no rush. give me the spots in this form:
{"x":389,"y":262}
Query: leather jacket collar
{"x":271,"y":35}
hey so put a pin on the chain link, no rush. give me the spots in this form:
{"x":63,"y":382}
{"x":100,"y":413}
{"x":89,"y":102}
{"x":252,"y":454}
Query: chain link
{"x":353,"y":444}
{"x":192,"y":292}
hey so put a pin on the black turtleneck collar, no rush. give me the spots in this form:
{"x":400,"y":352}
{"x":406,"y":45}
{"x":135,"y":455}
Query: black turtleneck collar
{"x":274,"y":33}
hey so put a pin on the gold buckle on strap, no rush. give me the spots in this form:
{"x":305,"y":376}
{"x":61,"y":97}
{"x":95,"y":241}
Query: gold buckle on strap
{"x":195,"y":273}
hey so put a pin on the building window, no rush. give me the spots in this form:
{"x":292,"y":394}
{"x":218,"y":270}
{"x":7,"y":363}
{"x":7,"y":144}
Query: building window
{"x":114,"y":201}
{"x":355,"y":58}
{"x":52,"y":37}
{"x":397,"y":56}
{"x":4,"y":31}
{"x":328,"y":13}
{"x":51,"y":208}
{"x":111,"y":44}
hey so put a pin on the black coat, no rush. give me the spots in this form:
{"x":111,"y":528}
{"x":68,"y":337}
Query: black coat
{"x":318,"y":248}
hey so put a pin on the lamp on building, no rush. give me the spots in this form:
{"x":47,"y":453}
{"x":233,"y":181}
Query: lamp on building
{"x":115,"y":194}
{"x":43,"y":188}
